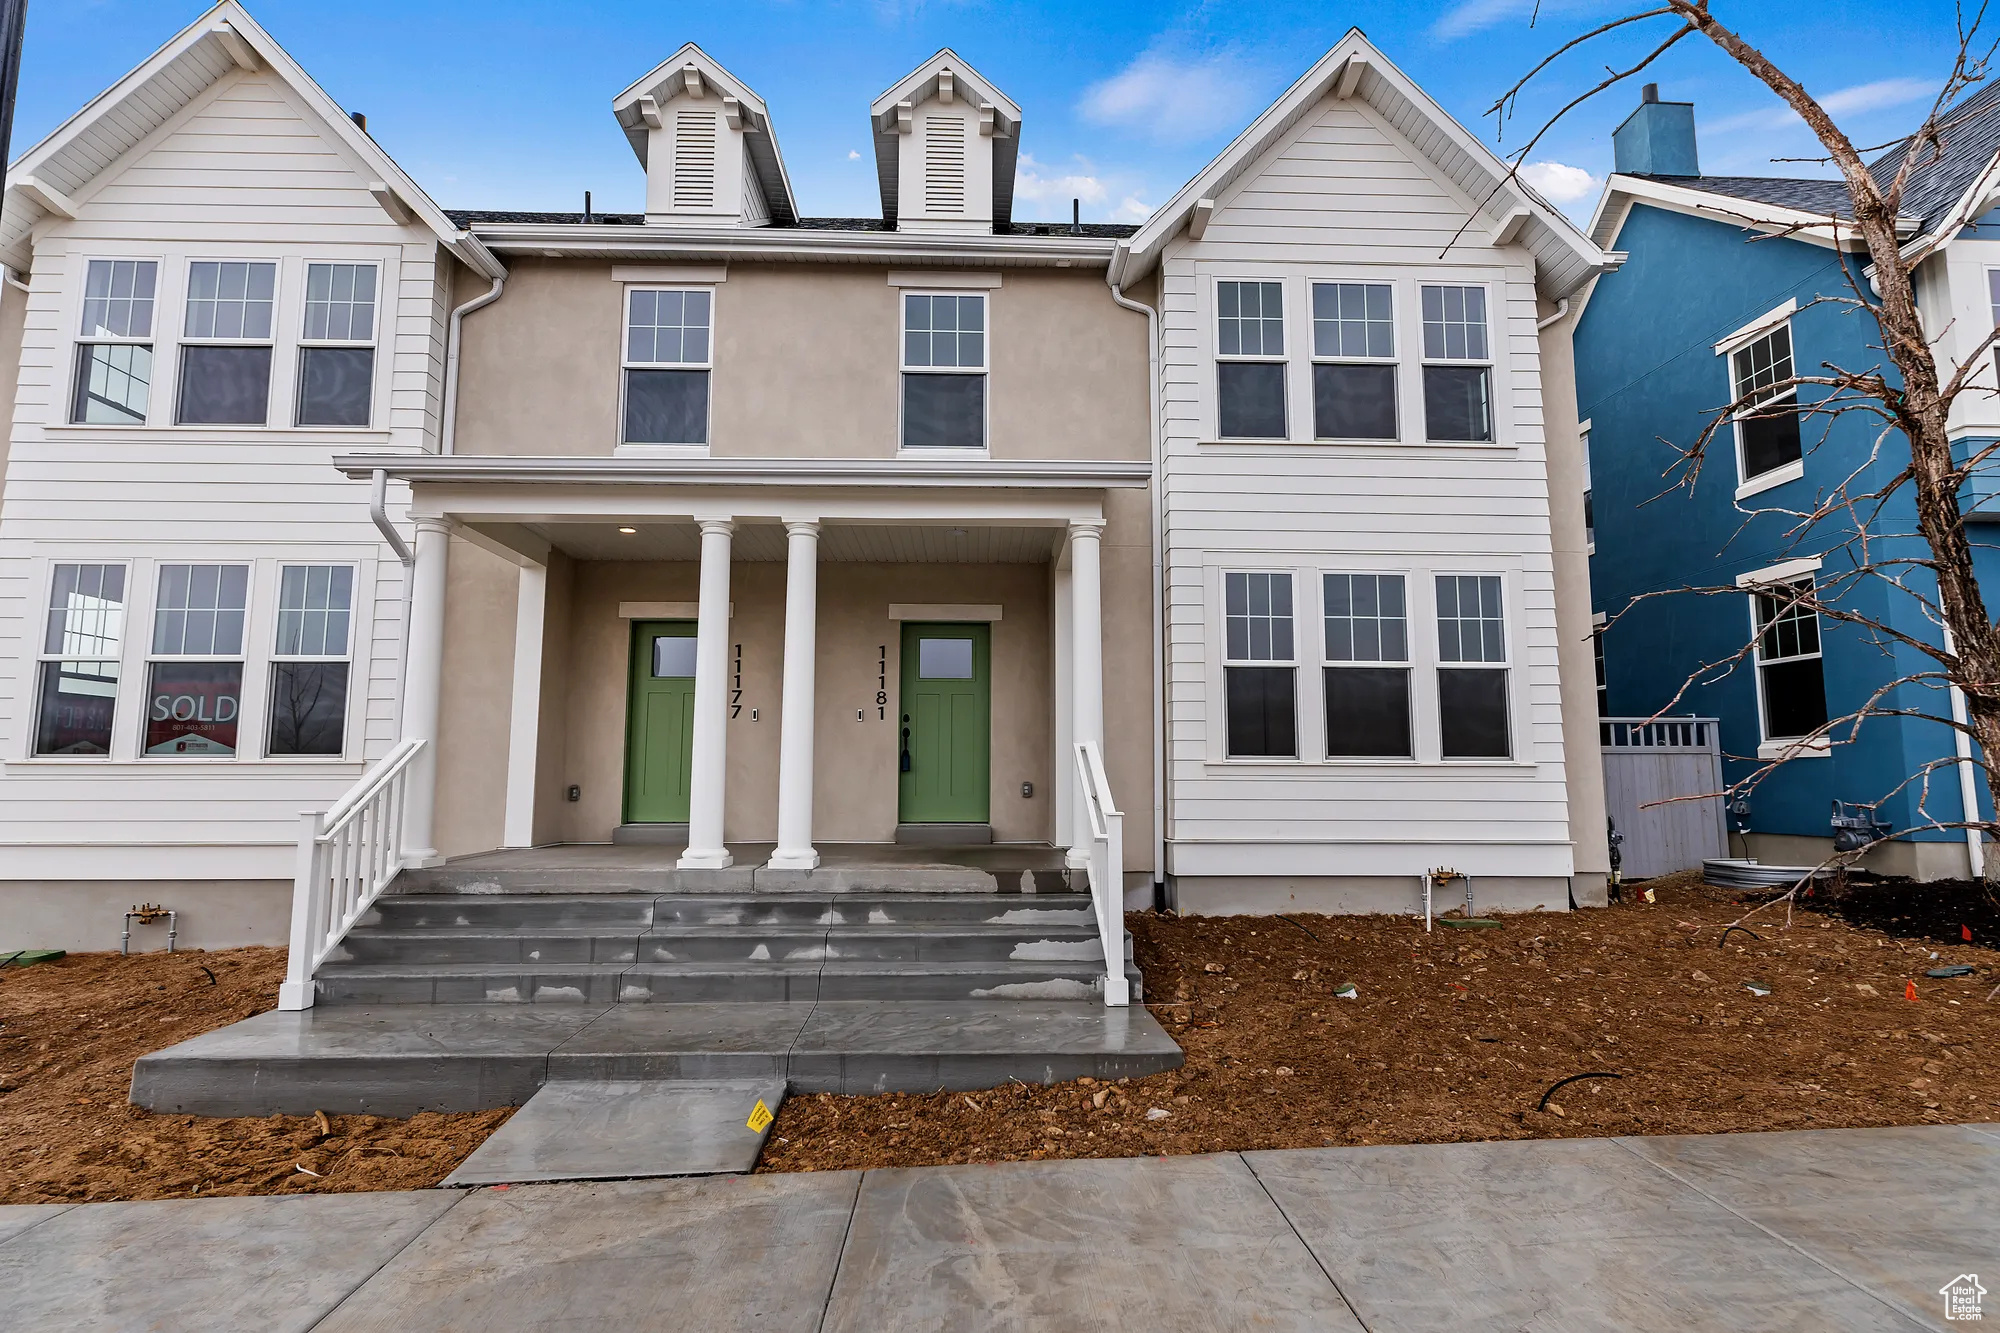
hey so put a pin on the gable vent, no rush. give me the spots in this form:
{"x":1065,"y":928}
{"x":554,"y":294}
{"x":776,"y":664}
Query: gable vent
{"x":944,"y":164}
{"x":694,"y":159}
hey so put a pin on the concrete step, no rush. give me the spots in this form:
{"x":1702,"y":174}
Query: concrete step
{"x":469,"y":983}
{"x":967,"y":981}
{"x":608,"y":912}
{"x":418,"y":948}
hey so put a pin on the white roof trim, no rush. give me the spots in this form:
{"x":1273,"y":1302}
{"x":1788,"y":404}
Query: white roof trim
{"x":1621,"y":191}
{"x":895,"y":472}
{"x":638,"y":106}
{"x":1757,"y":327}
{"x":1355,"y":66}
{"x":1785,"y":571}
{"x":795,"y":243}
{"x":200,"y":54}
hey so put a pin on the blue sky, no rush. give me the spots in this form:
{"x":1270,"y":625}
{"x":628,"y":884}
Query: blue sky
{"x":506,"y":104}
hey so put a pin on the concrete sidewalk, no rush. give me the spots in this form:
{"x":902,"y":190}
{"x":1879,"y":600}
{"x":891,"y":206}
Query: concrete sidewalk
{"x":1836,"y":1229}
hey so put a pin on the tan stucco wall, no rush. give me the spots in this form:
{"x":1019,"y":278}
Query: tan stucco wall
{"x":1583,"y":768}
{"x":475,"y":700}
{"x":806,"y":365}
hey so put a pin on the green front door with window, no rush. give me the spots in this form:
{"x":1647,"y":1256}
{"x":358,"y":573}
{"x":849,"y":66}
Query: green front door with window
{"x":659,"y":722}
{"x":946,"y":724}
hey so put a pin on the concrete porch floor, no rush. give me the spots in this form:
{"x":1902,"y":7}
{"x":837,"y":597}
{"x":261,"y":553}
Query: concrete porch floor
{"x":865,"y":867}
{"x":996,"y":857}
{"x":1832,"y":1229}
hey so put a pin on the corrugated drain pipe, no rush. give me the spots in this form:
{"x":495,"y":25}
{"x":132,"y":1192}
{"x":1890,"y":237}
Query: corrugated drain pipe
{"x":1158,"y":525}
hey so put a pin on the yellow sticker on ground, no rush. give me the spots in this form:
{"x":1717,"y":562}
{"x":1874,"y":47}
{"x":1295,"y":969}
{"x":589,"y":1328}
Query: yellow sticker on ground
{"x":760,"y":1116}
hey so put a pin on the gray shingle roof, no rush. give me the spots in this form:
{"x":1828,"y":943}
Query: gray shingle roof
{"x":1968,"y":137}
{"x":463,"y":217}
{"x":1807,"y":196}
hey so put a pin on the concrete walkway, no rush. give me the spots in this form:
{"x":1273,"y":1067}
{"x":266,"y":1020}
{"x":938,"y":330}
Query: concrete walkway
{"x":1839,"y":1229}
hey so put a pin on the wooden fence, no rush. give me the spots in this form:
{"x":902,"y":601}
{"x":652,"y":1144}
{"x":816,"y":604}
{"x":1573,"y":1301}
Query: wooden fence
{"x":1649,"y":761}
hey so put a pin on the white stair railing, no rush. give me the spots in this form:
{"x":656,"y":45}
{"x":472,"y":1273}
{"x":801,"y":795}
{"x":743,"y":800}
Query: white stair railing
{"x":347,"y":857}
{"x":1106,"y":868}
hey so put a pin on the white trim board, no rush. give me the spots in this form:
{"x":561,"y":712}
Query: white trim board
{"x":943,"y":612}
{"x":1783,"y":572}
{"x":1757,"y":327}
{"x":898,"y":278}
{"x":668,"y":274}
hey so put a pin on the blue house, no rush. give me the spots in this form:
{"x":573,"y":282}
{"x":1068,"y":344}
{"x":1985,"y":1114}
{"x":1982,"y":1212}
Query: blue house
{"x":1729,"y":283}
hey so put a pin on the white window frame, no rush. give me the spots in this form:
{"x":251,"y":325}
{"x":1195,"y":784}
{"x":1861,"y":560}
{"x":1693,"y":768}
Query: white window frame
{"x":1491,"y":361}
{"x":1589,"y":508}
{"x":66,"y":412}
{"x":1394,"y":360}
{"x":41,"y":655}
{"x":248,"y":737}
{"x":275,"y":658}
{"x":1766,"y":324}
{"x":1509,"y":631}
{"x":373,"y":342}
{"x":1300,"y":721}
{"x":1286,"y":299}
{"x":625,"y":363}
{"x":184,"y":340}
{"x":1761,"y":583}
{"x":985,"y":368}
{"x":1408,"y":663}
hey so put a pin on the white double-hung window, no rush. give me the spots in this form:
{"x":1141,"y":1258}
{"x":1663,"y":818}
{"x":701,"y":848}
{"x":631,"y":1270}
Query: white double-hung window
{"x":669,"y":353}
{"x":1472,"y":667}
{"x":1250,"y":361}
{"x":944,"y":370}
{"x":1458,"y":365}
{"x":81,"y":641}
{"x":1354,"y":361}
{"x":1260,"y":665}
{"x":1367,"y":672}
{"x":114,"y":354}
{"x":194,"y":684}
{"x":226,"y":343}
{"x":1767,"y":428}
{"x":310,"y":662}
{"x":337,"y":347}
{"x":1791,"y":674}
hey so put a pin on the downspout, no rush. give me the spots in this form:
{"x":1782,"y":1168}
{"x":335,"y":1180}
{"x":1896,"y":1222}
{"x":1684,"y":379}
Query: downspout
{"x":1562,"y":308}
{"x":378,"y":509}
{"x":448,"y":431}
{"x":1112,"y":277}
{"x":1968,"y":793}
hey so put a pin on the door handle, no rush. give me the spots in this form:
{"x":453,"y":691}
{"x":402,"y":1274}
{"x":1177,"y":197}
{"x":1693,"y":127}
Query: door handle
{"x":903,"y":760}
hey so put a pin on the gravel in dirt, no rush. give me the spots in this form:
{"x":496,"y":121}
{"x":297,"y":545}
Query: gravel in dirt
{"x":1458,"y":1034}
{"x":69,"y":1032}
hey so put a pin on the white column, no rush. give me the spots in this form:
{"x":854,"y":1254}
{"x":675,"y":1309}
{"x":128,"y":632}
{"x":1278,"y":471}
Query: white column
{"x":709,"y":770}
{"x":1062,"y":776}
{"x":423,"y":677}
{"x":525,"y":724}
{"x":1086,"y":659}
{"x":795,"y":714}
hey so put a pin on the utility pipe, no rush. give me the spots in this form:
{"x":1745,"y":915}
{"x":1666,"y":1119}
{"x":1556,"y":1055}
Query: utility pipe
{"x":1159,"y":513}
{"x":448,"y":432}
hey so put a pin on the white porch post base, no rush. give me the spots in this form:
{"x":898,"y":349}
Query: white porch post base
{"x":795,"y":714}
{"x":1086,"y":648}
{"x":709,"y":769}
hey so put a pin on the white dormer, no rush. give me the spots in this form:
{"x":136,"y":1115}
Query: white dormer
{"x":706,"y":142}
{"x":945,"y":143}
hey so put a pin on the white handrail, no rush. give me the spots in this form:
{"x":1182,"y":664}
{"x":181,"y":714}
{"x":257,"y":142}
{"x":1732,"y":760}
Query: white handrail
{"x":1106,"y":868}
{"x":348,"y":855}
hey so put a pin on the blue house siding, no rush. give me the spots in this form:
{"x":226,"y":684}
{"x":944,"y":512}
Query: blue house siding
{"x":1648,"y":380}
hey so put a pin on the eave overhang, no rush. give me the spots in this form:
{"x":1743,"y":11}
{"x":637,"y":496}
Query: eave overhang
{"x":1621,"y":192}
{"x":1060,"y":474}
{"x":749,"y":244}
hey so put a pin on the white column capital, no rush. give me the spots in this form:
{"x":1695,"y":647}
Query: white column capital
{"x":711,"y":527}
{"x":443,"y":526}
{"x":1092,"y":528}
{"x":802,"y":527}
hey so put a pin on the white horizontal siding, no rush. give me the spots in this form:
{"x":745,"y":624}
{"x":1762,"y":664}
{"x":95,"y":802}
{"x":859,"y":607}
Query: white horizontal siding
{"x":1346,"y":195}
{"x":244,"y":163}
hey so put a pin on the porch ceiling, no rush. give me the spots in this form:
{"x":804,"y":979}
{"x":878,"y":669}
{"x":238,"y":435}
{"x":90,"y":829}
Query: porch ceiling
{"x":897,"y":544}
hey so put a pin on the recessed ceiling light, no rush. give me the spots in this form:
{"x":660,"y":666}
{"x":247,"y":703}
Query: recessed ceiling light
{"x":628,"y":531}
{"x":956,"y":532}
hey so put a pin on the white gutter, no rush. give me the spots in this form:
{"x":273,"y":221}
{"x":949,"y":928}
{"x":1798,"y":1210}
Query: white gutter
{"x":1060,"y":250}
{"x":1159,"y":596}
{"x":448,"y":430}
{"x":378,"y":509}
{"x":1968,"y":792}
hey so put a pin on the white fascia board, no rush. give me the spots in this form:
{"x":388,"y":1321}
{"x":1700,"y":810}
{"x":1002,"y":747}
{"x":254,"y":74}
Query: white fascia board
{"x":774,"y":243}
{"x":1814,"y":228}
{"x":1969,"y":205}
{"x":701,"y":275}
{"x":937,"y":278}
{"x":1757,"y":327}
{"x":1278,"y":119}
{"x":918,"y":85}
{"x":872,"y":472}
{"x":1785,"y":571}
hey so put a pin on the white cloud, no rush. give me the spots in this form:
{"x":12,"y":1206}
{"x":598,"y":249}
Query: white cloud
{"x":1175,"y":98}
{"x":1470,"y":16}
{"x":1037,"y":183}
{"x":1131,"y":209}
{"x":1031,"y":184}
{"x":1861,"y":98}
{"x":853,"y":155}
{"x":1560,"y":183}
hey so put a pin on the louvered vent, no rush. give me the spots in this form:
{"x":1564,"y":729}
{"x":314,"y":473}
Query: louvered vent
{"x":694,"y":159}
{"x":944,"y":164}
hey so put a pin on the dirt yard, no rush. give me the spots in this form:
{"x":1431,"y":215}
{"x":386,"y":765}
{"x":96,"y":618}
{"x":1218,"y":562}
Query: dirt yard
{"x":69,"y":1032}
{"x":1457,"y":1034}
{"x":1452,"y":1036}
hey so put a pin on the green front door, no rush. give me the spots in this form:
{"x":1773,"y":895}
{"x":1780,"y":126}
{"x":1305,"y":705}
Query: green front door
{"x":946,"y":729}
{"x":659,"y":722}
